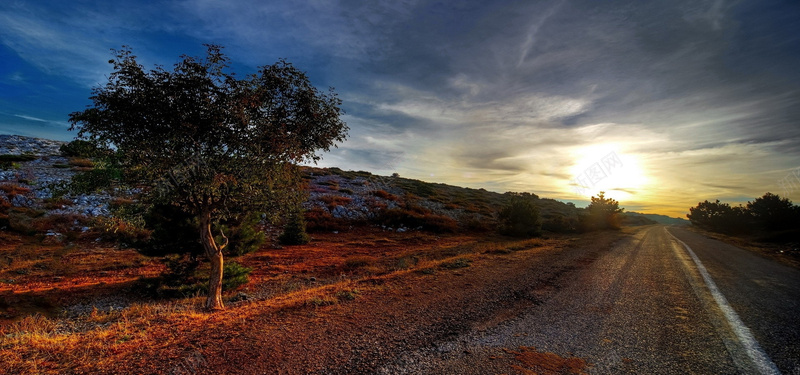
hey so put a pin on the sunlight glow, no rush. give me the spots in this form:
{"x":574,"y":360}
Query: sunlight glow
{"x":605,"y":168}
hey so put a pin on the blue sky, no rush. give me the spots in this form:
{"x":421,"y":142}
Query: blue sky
{"x":696,"y":99}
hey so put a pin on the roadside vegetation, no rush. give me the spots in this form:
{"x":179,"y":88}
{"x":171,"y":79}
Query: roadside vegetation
{"x":769,"y":225}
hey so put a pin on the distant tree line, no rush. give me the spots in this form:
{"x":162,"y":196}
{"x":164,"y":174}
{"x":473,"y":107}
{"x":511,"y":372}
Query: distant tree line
{"x":769,"y":213}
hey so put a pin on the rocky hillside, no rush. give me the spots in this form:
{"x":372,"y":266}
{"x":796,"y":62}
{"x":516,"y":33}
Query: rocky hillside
{"x":337,"y":199}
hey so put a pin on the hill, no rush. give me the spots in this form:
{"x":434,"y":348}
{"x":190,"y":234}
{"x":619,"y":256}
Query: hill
{"x":661,"y":219}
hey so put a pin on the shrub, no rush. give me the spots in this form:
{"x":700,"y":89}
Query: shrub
{"x":334,"y":200}
{"x":385,"y":195}
{"x":183,"y":278}
{"x":121,"y":231}
{"x":295,"y":231}
{"x":520,"y":217}
{"x":81,"y":148}
{"x":80,"y":162}
{"x":318,"y":219}
{"x":175,"y":232}
{"x":59,"y":223}
{"x":347,"y":295}
{"x":560,"y":224}
{"x":234,"y":275}
{"x":602,"y":213}
{"x":358,"y":261}
{"x":417,"y":218}
{"x":457,"y":263}
{"x":12,"y":161}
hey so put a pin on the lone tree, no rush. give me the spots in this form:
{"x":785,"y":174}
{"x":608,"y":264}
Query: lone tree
{"x":214,"y":145}
{"x":602,"y":213}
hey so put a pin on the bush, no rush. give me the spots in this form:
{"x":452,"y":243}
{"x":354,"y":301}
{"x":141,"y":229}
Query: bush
{"x":560,"y":224}
{"x":358,"y":261}
{"x":102,"y":176}
{"x":417,"y":217}
{"x":183,"y":278}
{"x":335,"y":200}
{"x":121,"y":231}
{"x":234,"y":275}
{"x":175,"y":232}
{"x":602,"y":213}
{"x":245,"y":236}
{"x":295,"y":231}
{"x":82,"y":149}
{"x":318,"y":220}
{"x":520,"y":217}
{"x":385,"y":195}
{"x":80,"y":162}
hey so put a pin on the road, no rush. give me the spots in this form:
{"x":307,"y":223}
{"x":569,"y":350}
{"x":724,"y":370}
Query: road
{"x":663,"y":301}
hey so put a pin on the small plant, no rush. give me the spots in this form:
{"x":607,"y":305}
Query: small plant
{"x":322,"y":301}
{"x":385,"y":195}
{"x":455,"y":264}
{"x":81,"y":162}
{"x":358,"y":261}
{"x":295,"y":231}
{"x":234,"y":275}
{"x":335,"y":200}
{"x":8,"y":161}
{"x":347,"y":295}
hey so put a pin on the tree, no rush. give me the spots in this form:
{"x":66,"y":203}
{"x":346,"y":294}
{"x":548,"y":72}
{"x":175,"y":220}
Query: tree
{"x":520,"y":217}
{"x":771,"y":212}
{"x":602,"y":213}
{"x":213,"y":145}
{"x":720,"y":217}
{"x":294,"y":233}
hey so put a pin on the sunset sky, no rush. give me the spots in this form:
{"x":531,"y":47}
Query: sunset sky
{"x":661,"y":104}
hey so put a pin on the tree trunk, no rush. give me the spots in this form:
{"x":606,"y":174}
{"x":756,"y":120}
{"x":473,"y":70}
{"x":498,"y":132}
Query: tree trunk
{"x":214,"y":254}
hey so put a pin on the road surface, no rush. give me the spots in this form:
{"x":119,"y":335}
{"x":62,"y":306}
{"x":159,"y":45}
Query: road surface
{"x":664,"y":301}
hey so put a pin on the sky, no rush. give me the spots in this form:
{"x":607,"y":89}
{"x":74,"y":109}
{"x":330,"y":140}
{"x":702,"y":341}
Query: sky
{"x":661,"y":104}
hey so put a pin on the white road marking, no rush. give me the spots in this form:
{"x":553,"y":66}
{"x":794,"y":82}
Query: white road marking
{"x":760,"y":359}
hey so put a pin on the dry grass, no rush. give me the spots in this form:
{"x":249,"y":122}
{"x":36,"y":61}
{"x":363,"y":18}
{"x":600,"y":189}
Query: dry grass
{"x":335,"y":270}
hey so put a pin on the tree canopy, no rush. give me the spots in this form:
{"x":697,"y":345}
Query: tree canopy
{"x":214,"y":145}
{"x":602,"y":213}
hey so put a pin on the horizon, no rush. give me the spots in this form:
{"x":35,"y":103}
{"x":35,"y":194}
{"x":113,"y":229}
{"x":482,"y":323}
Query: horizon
{"x":661,"y":106}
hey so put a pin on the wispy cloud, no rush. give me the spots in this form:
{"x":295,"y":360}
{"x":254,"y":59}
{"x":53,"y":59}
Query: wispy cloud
{"x":31,"y":118}
{"x":507,"y":95}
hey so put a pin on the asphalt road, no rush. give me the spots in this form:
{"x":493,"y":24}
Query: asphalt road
{"x":664,"y":301}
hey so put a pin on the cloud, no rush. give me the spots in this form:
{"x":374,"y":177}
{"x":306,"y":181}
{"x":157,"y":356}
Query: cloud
{"x":31,"y":118}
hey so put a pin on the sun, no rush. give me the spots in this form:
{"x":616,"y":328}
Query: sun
{"x":605,"y":168}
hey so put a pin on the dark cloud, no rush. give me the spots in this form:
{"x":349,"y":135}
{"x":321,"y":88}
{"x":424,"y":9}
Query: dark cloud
{"x":516,"y":92}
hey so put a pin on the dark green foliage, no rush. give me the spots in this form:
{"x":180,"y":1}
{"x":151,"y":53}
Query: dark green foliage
{"x":294,"y":233}
{"x":456,"y":264}
{"x":720,"y":217}
{"x":183,"y":278}
{"x":245,"y":236}
{"x":212,"y":144}
{"x":235,"y":275}
{"x":520,"y":216}
{"x":8,"y":161}
{"x":102,"y":176}
{"x":175,"y":232}
{"x":560,"y":224}
{"x":767,"y":214}
{"x":602,"y":213}
{"x":771,"y":212}
{"x":84,"y":149}
{"x":413,"y":216}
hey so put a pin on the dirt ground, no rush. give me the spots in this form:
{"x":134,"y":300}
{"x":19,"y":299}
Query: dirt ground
{"x":346,"y":303}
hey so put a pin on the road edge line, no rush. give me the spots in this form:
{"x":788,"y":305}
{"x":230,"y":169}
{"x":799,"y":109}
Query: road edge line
{"x":757,"y":355}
